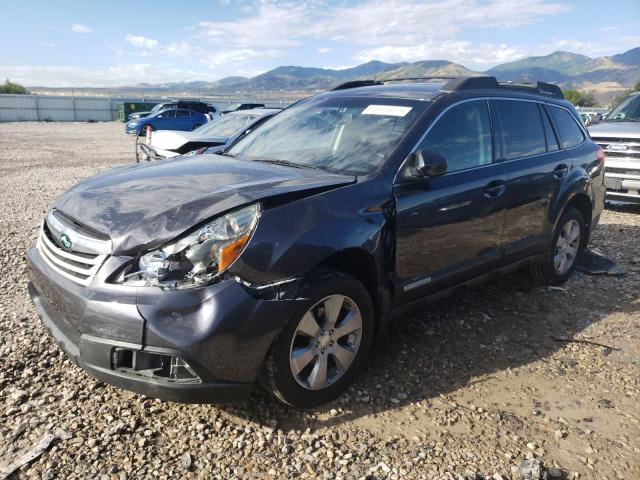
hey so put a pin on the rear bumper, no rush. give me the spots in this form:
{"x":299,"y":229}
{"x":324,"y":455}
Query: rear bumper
{"x":221,"y":331}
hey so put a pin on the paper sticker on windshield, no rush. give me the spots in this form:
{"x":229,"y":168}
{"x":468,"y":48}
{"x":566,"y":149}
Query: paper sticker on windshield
{"x":387,"y":110}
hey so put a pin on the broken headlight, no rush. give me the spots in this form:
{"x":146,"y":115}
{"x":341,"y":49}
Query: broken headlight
{"x":197,"y":258}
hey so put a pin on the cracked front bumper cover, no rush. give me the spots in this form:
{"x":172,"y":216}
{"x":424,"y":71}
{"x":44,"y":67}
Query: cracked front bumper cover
{"x":222,"y":331}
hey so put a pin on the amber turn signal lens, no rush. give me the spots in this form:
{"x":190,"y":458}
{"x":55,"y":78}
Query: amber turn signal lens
{"x":230,"y":252}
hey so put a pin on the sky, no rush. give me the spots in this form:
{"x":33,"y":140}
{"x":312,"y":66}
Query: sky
{"x":73,"y":43}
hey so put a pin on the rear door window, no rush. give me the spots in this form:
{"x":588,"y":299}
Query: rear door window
{"x":522,"y":128}
{"x":570,"y":133}
{"x":462,"y":136}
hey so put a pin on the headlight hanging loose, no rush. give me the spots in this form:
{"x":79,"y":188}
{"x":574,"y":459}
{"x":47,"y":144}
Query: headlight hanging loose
{"x":197,"y":258}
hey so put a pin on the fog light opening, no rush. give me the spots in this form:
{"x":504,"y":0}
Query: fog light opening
{"x":157,"y":366}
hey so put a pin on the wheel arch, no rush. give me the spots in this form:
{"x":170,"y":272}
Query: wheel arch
{"x":583,"y":204}
{"x":361,"y":265}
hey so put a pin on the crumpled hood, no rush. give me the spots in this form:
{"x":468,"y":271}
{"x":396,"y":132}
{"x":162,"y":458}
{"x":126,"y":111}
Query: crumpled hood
{"x":615,"y":129}
{"x":146,"y":205}
{"x":172,"y":140}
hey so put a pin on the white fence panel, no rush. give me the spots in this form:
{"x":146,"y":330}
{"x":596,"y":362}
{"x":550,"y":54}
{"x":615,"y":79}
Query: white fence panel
{"x":16,"y":108}
{"x":60,"y":108}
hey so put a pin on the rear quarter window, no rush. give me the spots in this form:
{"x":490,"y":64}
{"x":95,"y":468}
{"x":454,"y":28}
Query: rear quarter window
{"x":567,"y":126}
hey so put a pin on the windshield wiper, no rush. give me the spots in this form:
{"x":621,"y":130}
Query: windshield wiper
{"x":288,"y":163}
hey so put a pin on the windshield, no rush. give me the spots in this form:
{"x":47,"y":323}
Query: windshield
{"x":338,"y":134}
{"x":226,"y":125}
{"x":627,"y":111}
{"x":158,"y":107}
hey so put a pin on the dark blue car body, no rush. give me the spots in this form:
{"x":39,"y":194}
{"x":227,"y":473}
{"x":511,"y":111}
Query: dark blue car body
{"x":170,"y":119}
{"x":407,"y":238}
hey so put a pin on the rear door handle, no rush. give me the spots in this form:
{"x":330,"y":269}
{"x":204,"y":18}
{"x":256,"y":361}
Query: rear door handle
{"x":560,"y":171}
{"x":494,"y":189}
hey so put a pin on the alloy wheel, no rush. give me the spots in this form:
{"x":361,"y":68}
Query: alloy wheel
{"x":326,"y":342}
{"x":567,"y":247}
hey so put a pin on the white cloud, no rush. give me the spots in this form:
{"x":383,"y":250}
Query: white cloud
{"x":471,"y":55}
{"x":388,"y":30}
{"x":273,"y":26}
{"x":411,"y":22}
{"x":130,"y":74}
{"x":80,"y":28}
{"x":142,"y":42}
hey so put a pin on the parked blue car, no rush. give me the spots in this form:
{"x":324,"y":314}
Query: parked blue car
{"x":170,"y":119}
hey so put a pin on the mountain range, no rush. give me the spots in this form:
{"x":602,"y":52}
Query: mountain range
{"x":570,"y":70}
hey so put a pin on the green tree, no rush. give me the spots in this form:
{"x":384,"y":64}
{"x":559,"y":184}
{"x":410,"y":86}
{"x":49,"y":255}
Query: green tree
{"x":10,"y":87}
{"x":580,"y":99}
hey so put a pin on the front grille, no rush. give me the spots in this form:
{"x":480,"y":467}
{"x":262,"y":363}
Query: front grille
{"x":632,"y":145}
{"x":608,"y":140}
{"x":79,"y":267}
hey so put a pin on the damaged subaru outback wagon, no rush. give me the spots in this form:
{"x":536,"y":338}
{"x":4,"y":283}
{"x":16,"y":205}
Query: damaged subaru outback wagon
{"x":280,"y":260}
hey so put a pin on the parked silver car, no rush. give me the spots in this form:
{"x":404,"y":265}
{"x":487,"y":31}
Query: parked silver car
{"x":217,"y":134}
{"x":619,"y":136}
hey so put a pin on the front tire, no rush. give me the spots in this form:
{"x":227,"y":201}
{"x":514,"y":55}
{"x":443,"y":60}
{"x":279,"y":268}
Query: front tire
{"x":323,"y":346}
{"x":567,"y":244}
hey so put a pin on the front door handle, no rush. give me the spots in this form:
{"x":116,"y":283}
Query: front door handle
{"x":494,"y":189}
{"x":560,"y":171}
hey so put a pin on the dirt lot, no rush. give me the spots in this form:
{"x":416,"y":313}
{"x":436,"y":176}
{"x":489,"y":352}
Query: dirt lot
{"x":467,"y":388}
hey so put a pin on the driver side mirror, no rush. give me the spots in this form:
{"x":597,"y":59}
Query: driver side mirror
{"x":430,"y":164}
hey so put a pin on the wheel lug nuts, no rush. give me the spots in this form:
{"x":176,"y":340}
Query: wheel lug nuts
{"x":331,"y":343}
{"x":322,"y":351}
{"x":317,"y":344}
{"x":330,"y":332}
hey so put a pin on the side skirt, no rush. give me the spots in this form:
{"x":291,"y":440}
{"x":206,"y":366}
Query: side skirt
{"x":472,"y":282}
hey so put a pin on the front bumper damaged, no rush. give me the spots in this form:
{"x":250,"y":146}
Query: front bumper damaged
{"x":204,"y":345}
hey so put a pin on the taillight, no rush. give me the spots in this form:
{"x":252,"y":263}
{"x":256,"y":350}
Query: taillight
{"x":601,"y":155}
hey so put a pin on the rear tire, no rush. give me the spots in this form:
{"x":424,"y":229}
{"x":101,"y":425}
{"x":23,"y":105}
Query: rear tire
{"x":566,"y":245}
{"x":322,"y":347}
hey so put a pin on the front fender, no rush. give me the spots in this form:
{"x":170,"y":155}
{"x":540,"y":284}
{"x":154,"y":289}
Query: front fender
{"x":292,"y":238}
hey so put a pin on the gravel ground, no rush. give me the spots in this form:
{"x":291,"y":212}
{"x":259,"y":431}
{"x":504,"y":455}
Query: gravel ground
{"x":468,"y":388}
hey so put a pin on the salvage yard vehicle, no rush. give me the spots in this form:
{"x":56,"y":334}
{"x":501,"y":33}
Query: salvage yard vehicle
{"x":215,"y":135}
{"x":281,"y":260}
{"x":619,"y":135}
{"x":242,"y":106}
{"x":170,"y":119}
{"x":195,"y":105}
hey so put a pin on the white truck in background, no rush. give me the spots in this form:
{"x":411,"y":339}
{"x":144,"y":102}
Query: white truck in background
{"x":619,"y":135}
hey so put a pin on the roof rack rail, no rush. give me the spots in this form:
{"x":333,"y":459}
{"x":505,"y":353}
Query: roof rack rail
{"x":356,"y":84}
{"x":543,"y":88}
{"x":474,"y":83}
{"x":458,"y":83}
{"x":416,"y":78}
